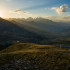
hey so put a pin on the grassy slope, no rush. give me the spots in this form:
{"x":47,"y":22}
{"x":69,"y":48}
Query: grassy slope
{"x":46,"y":57}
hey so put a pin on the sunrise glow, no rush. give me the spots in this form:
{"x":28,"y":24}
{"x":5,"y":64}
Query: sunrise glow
{"x":1,"y":14}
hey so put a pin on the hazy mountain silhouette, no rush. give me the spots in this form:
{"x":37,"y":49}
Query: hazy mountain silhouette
{"x":44,"y":27}
{"x":31,"y":30}
{"x":10,"y":32}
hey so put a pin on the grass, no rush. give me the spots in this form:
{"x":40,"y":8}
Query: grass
{"x":45,"y":57}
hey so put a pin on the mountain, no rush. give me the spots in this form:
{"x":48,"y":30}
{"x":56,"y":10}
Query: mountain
{"x":22,"y":44}
{"x":38,"y":30}
{"x":10,"y":32}
{"x":42,"y":26}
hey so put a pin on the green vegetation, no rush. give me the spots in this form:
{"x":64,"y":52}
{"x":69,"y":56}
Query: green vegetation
{"x":33,"y":56}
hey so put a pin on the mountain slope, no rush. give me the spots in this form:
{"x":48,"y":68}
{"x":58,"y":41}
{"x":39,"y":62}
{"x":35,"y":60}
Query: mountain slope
{"x":34,"y":57}
{"x":44,"y":27}
{"x":10,"y":32}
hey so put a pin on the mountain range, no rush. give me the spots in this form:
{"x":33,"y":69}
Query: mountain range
{"x":38,"y":30}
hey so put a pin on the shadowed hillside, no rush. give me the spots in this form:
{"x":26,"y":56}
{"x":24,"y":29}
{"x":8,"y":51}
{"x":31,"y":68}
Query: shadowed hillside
{"x":10,"y":32}
{"x":44,"y":27}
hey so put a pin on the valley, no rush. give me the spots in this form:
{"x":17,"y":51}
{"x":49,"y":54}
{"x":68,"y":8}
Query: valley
{"x":34,"y":44}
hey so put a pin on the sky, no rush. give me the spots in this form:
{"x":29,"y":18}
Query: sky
{"x":34,"y":8}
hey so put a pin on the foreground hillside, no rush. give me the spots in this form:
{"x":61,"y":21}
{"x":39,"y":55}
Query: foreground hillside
{"x":26,"y":56}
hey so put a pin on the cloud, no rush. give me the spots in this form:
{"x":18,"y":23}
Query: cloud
{"x":17,"y":10}
{"x":54,"y":8}
{"x":26,"y":12}
{"x":8,"y":0}
{"x":22,"y":13}
{"x":59,"y":18}
{"x":61,"y":9}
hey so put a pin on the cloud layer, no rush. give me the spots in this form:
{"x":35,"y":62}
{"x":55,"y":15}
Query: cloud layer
{"x":22,"y":13}
{"x":19,"y":11}
{"x":61,"y":9}
{"x":59,"y":19}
